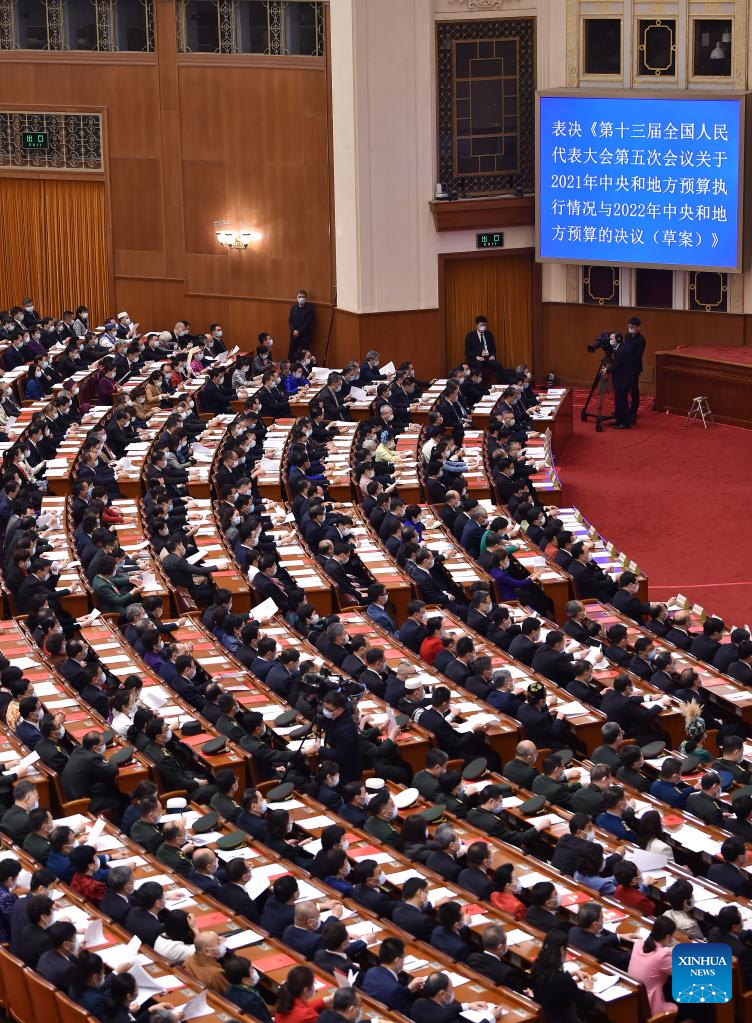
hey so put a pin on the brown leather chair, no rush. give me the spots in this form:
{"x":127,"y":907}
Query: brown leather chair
{"x":70,"y":1012}
{"x":18,"y":1003}
{"x":42,"y":995}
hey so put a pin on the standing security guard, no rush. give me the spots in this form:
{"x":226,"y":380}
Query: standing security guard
{"x":636,"y":344}
{"x":621,"y":369}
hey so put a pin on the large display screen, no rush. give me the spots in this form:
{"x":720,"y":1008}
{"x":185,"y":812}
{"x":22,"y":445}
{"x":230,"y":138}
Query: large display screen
{"x":640,"y":180}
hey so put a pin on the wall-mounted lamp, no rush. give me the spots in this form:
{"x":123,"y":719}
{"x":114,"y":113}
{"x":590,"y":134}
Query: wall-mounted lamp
{"x":231,"y":238}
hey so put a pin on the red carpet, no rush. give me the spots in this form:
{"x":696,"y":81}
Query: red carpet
{"x":675,"y":499}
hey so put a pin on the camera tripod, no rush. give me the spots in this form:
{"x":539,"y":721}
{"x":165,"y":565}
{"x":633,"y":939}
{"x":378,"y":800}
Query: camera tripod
{"x":602,"y":385}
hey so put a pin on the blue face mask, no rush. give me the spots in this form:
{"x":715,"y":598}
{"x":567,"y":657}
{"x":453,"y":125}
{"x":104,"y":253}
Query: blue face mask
{"x":328,"y":713}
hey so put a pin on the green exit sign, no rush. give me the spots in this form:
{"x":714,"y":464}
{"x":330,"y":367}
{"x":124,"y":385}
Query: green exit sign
{"x":490,"y":240}
{"x":34,"y":140}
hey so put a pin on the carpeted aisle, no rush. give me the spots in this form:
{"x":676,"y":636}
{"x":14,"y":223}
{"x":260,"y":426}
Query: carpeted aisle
{"x":675,"y":499}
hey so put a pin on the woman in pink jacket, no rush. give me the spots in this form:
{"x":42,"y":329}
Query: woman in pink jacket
{"x":651,"y":963}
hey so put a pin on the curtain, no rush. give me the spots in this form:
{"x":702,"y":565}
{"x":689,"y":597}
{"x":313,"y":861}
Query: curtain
{"x":54,"y":246}
{"x":501,"y":288}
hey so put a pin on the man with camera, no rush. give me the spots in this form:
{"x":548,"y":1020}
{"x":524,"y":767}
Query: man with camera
{"x":636,"y":343}
{"x":620,"y":367}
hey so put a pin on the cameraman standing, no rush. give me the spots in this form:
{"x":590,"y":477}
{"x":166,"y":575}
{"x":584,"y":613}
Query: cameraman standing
{"x":620,"y":366}
{"x":636,"y":345}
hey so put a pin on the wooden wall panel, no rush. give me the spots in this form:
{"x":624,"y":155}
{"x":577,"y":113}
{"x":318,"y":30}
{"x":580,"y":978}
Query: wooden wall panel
{"x":191,"y":139}
{"x":268,"y":129}
{"x":568,"y":329}
{"x":411,"y":334}
{"x":135,"y":227}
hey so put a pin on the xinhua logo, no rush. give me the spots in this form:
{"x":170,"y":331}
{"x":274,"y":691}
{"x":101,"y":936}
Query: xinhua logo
{"x":701,"y":973}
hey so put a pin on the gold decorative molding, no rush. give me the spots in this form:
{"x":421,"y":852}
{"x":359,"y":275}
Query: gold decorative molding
{"x":739,"y":43}
{"x":735,"y":293}
{"x":573,"y":283}
{"x":573,"y":36}
{"x":481,"y":5}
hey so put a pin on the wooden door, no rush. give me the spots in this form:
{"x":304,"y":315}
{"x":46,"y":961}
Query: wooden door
{"x":501,"y":288}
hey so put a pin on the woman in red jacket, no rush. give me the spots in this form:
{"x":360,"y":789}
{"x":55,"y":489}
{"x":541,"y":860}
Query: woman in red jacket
{"x":628,"y":891}
{"x":502,"y":896}
{"x":432,"y":643}
{"x":295,"y":1001}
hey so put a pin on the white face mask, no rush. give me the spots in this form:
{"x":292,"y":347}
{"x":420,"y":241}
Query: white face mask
{"x":221,"y":949}
{"x":301,"y":300}
{"x":254,"y":977}
{"x":168,"y":735}
{"x":382,"y":877}
{"x":263,"y":806}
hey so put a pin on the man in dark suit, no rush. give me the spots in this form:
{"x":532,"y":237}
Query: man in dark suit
{"x":730,"y":931}
{"x":453,"y":413}
{"x":56,"y":965}
{"x":582,"y":687}
{"x":636,"y":350}
{"x":341,"y":738}
{"x":731,"y":873}
{"x":197,"y":579}
{"x":437,"y":1003}
{"x":741,"y":825}
{"x":741,"y":669}
{"x":577,"y":623}
{"x":332,"y":956}
{"x":552,"y":661}
{"x":626,"y":600}
{"x":489,"y":962}
{"x":620,"y":368}
{"x":431,"y":591}
{"x":334,"y":408}
{"x":117,"y":901}
{"x":413,"y":912}
{"x":300,"y":322}
{"x":412,"y":632}
{"x":443,"y":856}
{"x":708,"y":643}
{"x":589,"y":935}
{"x":34,"y":940}
{"x":570,"y":847}
{"x":475,"y":877}
{"x":480,"y":350}
{"x":729,"y":652}
{"x":387,"y":982}
{"x":679,"y":633}
{"x":525,"y":645}
{"x":622,"y":705}
{"x":542,"y":911}
{"x":143,"y":919}
{"x":335,"y":569}
{"x":233,"y":894}
{"x":591,"y":582}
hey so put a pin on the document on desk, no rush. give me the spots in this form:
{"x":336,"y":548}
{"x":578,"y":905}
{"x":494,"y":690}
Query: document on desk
{"x":196,"y":1007}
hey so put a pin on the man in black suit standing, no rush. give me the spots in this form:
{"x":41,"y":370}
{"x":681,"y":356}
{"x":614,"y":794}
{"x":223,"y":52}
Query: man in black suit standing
{"x":637,"y":350}
{"x":620,"y":367}
{"x":480,"y":349}
{"x":300,"y":322}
